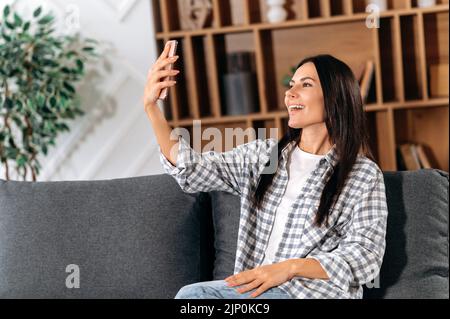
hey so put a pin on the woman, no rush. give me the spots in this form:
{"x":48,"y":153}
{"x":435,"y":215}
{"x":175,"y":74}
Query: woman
{"x":313,"y":228}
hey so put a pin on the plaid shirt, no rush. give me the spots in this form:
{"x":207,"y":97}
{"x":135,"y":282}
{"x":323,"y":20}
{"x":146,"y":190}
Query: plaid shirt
{"x":350,"y":249}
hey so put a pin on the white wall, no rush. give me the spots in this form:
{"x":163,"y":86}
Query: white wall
{"x":114,"y":139}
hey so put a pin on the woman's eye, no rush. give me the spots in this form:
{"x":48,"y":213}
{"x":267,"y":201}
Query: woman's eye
{"x":307,"y":84}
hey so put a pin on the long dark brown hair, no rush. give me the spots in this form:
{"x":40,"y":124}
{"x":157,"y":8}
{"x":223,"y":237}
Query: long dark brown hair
{"x":346,"y":124}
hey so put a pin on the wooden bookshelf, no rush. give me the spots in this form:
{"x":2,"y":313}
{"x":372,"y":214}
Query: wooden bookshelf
{"x":400,"y":108}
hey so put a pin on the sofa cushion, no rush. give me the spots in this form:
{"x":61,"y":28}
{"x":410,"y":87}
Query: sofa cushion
{"x":226,"y":213}
{"x":131,"y":238}
{"x":416,"y":260}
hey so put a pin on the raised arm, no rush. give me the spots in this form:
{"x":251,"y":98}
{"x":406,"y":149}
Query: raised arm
{"x":152,"y":91}
{"x":198,"y":172}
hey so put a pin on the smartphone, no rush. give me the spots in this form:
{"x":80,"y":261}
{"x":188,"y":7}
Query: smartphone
{"x":173,"y":50}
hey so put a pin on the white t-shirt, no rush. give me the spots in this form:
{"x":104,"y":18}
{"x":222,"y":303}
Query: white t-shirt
{"x":300,"y":166}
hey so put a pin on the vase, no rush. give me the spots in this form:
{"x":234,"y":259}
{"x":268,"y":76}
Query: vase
{"x":426,"y":3}
{"x":240,"y":93}
{"x":276,"y":12}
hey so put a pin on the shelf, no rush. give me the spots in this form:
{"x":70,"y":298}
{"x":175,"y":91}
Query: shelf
{"x":223,"y":138}
{"x":423,"y":126}
{"x":419,"y":104}
{"x":300,"y":23}
{"x":371,"y":108}
{"x":436,"y":45}
{"x":231,"y":119}
{"x":390,"y":60}
{"x":409,"y":43}
{"x":289,"y":46}
{"x":224,"y":46}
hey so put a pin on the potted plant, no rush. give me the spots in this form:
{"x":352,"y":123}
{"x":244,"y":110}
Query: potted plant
{"x":39,"y":71}
{"x":288,"y":77}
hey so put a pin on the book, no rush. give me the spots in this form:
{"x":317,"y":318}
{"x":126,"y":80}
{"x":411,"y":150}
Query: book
{"x":415,"y":156}
{"x":424,"y":160}
{"x":409,"y":158}
{"x":412,"y":157}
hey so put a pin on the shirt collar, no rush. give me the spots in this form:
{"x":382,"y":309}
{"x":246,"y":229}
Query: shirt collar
{"x":331,"y":157}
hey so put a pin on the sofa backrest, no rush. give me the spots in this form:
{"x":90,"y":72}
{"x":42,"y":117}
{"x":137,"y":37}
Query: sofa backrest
{"x":416,"y":259}
{"x":130,"y":238}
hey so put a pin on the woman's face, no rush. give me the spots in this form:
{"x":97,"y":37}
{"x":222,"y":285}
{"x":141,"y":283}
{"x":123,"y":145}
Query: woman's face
{"x":306,"y":91}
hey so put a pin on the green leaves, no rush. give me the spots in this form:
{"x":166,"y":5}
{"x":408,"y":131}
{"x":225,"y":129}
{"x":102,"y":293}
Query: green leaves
{"x":62,"y":127}
{"x":53,"y":101}
{"x":69,"y":87}
{"x":6,"y":37}
{"x":39,"y":72}
{"x":26,"y":26}
{"x":8,"y":104}
{"x":17,"y":121}
{"x":37,"y":12}
{"x":288,"y":77}
{"x":6,"y":11}
{"x":22,"y":160}
{"x":46,"y":19}
{"x":11,"y":152}
{"x":9,"y":25}
{"x":40,"y":100}
{"x":17,"y":20}
{"x":31,"y":106}
{"x":80,"y":64}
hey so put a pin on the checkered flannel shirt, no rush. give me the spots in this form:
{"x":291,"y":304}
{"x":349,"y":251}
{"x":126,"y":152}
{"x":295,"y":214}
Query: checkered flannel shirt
{"x":350,"y":249}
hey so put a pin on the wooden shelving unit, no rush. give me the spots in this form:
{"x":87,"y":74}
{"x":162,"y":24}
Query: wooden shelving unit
{"x":400,"y":107}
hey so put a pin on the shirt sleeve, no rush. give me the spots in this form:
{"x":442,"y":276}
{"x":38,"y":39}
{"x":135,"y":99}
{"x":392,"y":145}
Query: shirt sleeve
{"x":358,"y":257}
{"x":215,"y":171}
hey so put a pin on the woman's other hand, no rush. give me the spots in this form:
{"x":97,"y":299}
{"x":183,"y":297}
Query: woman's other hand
{"x":261,"y":278}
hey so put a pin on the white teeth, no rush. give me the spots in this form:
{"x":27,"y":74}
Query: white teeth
{"x":297,"y":107}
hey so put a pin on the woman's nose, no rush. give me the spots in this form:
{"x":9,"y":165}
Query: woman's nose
{"x":289,"y":93}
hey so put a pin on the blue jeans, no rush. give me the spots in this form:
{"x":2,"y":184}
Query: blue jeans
{"x":218,"y":289}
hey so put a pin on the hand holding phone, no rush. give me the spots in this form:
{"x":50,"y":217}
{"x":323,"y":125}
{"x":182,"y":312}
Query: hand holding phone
{"x":172,"y":51}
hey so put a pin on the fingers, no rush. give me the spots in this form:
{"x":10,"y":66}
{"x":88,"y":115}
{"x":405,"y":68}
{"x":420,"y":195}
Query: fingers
{"x":240,"y":279}
{"x":152,"y":94}
{"x":263,"y":288}
{"x":164,"y":63}
{"x":161,"y":76}
{"x":165,"y":52}
{"x":164,"y":84}
{"x":254,"y":284}
{"x":165,"y":73}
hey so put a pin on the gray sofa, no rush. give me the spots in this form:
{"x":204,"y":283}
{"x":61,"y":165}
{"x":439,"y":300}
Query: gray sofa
{"x":144,"y":238}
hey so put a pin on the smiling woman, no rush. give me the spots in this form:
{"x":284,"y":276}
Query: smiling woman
{"x":331,"y":112}
{"x":315,"y":226}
